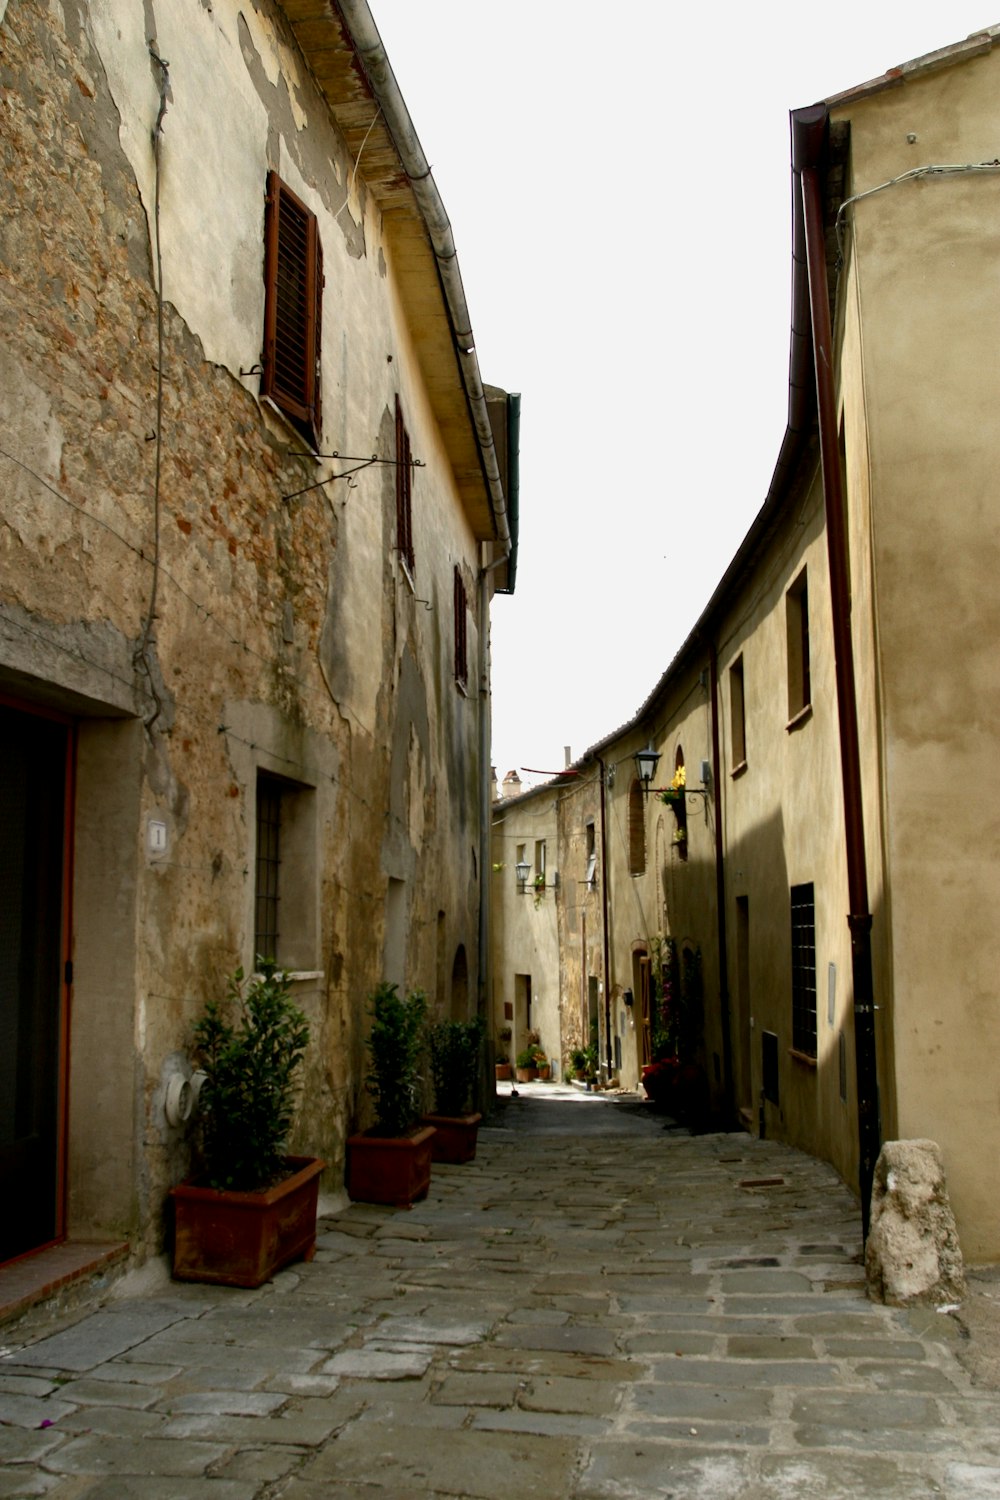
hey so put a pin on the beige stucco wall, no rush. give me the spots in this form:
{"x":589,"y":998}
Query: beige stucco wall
{"x":580,"y":910}
{"x":287,"y":637}
{"x":925,"y":259}
{"x":525,"y":924}
{"x":784,"y":826}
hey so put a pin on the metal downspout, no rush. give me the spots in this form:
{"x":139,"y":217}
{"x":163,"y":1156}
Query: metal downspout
{"x":808,"y":135}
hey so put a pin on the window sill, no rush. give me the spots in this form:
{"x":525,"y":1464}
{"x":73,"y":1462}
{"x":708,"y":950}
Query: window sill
{"x":797,"y":720}
{"x":289,"y":429}
{"x":805,"y":1058}
{"x":739,"y":770}
{"x":298,"y":976}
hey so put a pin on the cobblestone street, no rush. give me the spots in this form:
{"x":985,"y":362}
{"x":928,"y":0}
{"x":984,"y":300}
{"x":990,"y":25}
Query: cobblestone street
{"x":596,"y":1307}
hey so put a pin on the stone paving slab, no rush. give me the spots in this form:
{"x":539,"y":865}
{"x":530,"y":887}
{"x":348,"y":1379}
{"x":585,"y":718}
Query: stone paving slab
{"x":652,"y":1329}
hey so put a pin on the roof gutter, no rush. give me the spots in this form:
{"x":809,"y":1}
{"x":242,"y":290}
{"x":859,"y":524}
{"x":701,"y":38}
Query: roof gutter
{"x":382,"y":81}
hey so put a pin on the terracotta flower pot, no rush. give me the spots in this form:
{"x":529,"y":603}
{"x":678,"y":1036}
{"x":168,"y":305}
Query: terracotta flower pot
{"x":390,"y":1169}
{"x":454,"y":1137}
{"x":526,"y":1075}
{"x":241,"y":1239}
{"x":503,"y":1072}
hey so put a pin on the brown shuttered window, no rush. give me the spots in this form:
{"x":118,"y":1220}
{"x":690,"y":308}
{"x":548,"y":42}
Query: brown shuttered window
{"x":404,"y":480}
{"x":636,"y":830}
{"x":461,"y":638}
{"x":293,"y":293}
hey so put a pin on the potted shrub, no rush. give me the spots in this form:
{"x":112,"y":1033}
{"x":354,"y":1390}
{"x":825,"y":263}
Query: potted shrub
{"x":578,"y":1062}
{"x":524,"y":1065}
{"x":454,"y":1051}
{"x":542,"y":1065}
{"x":391,"y":1162}
{"x":251,"y":1208}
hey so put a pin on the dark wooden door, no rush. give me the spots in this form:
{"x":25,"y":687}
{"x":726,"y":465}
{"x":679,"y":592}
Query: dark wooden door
{"x":34,"y":759}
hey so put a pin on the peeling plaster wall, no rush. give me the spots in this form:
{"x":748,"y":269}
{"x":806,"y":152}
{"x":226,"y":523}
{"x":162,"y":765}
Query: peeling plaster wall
{"x":286,"y":638}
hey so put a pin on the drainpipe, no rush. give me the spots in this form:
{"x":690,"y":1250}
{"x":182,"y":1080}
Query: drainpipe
{"x":808,"y":136}
{"x":605,"y":874}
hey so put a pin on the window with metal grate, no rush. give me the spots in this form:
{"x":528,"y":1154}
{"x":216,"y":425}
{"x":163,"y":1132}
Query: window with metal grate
{"x":293,"y":294}
{"x":804,"y":970}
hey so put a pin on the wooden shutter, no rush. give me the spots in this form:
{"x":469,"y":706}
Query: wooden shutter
{"x":404,"y":512}
{"x":461,"y":638}
{"x":636,"y":830}
{"x":293,"y":292}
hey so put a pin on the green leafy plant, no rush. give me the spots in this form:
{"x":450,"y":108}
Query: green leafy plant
{"x":578,"y":1060}
{"x":394,"y":1044}
{"x":525,"y":1059}
{"x":249,"y":1048}
{"x":454,"y":1047}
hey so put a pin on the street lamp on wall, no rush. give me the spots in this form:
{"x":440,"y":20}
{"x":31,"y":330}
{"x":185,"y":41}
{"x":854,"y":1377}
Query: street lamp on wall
{"x":646,"y":762}
{"x":522,"y":870}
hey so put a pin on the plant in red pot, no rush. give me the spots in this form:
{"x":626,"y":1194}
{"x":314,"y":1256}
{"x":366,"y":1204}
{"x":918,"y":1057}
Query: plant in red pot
{"x":391,"y":1162}
{"x":454,"y":1050}
{"x":251,"y":1209}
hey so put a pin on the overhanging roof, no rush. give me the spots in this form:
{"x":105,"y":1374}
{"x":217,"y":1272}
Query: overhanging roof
{"x":343,"y":49}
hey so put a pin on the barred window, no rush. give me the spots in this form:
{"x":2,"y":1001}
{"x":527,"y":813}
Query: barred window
{"x":268,"y":872}
{"x":804,"y":970}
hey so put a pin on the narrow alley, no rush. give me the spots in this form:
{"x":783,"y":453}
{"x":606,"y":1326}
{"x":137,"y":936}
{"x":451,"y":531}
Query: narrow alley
{"x":596,"y":1307}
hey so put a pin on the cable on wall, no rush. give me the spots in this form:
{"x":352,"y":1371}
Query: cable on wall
{"x":142,"y":650}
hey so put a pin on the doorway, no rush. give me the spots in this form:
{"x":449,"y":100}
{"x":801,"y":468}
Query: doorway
{"x":744,"y":1076}
{"x":643,"y":988}
{"x":35,"y":803}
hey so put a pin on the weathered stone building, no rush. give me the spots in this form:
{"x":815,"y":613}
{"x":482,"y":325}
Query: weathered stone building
{"x":252,"y":512}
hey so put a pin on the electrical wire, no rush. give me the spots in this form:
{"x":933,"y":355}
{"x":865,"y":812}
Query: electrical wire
{"x":940,"y":170}
{"x":142,"y":650}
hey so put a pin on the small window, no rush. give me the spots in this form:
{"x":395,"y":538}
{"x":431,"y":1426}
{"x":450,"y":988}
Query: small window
{"x":404,"y":482}
{"x":285,"y":897}
{"x":293,"y":293}
{"x":539,"y":864}
{"x":266,"y":916}
{"x":461,"y":638}
{"x":636,"y":829}
{"x":797,"y":623}
{"x":737,"y":715}
{"x":591,"y":855}
{"x":804,"y":970}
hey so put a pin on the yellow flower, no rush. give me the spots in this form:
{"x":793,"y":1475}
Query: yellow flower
{"x":680,"y":778}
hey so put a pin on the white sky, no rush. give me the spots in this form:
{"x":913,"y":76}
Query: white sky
{"x":617,"y":179}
